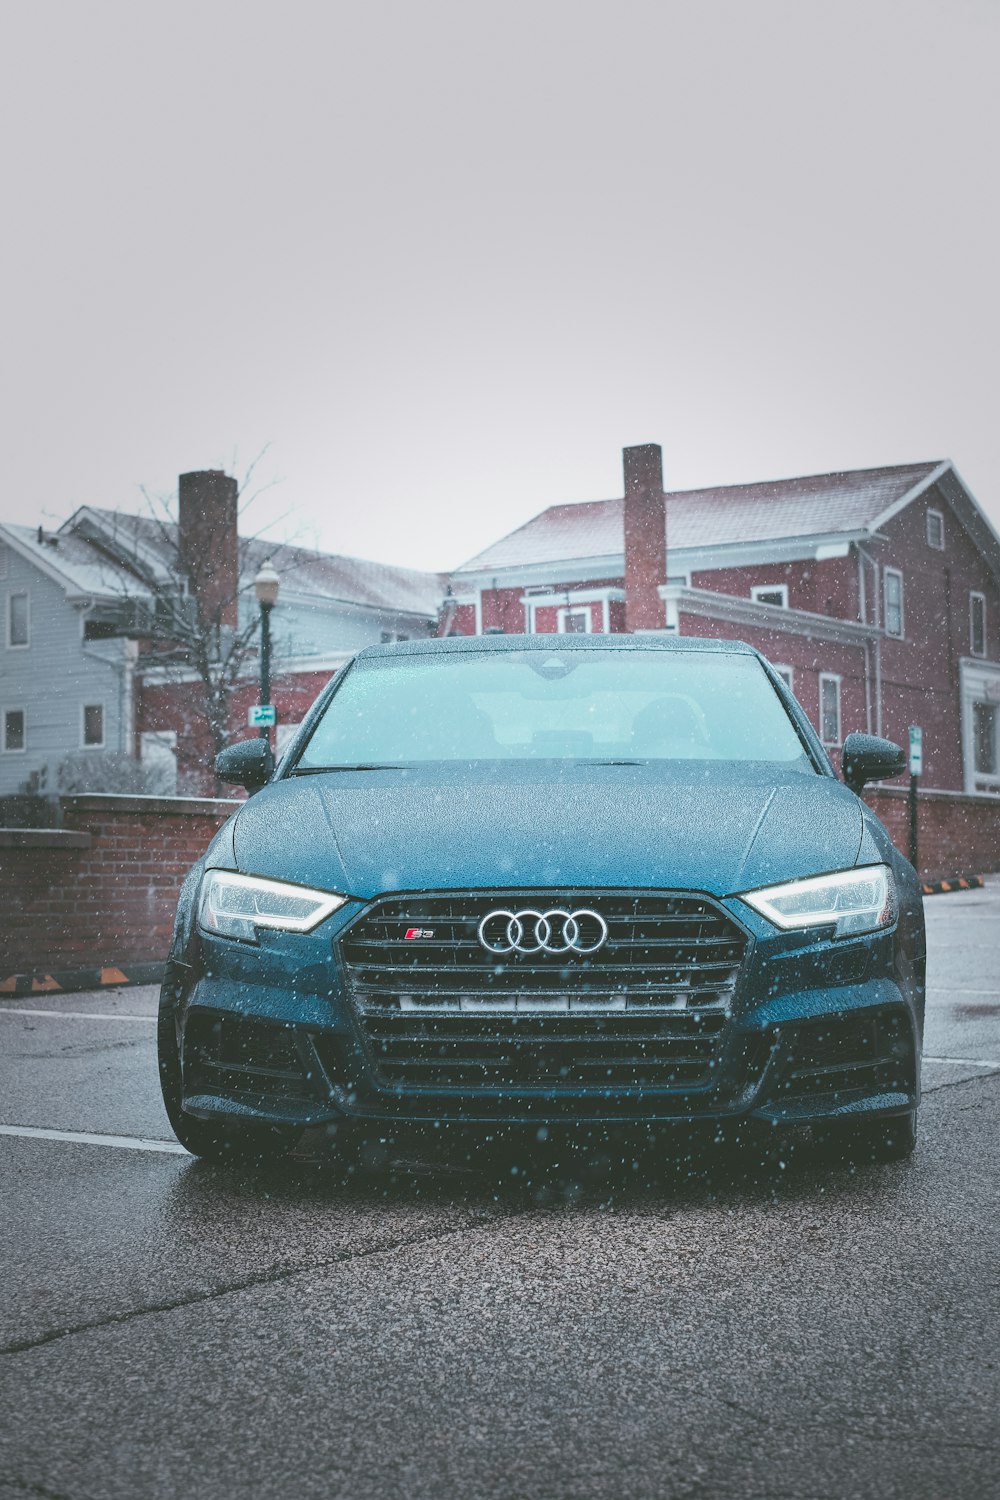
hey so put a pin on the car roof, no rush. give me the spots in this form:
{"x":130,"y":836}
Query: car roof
{"x":464,"y":644}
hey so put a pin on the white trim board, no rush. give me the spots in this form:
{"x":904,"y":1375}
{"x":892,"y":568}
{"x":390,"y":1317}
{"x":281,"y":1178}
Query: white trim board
{"x":733,"y":608}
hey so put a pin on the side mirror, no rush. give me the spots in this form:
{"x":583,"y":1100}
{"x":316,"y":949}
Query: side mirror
{"x":867,"y":757}
{"x":248,"y":763}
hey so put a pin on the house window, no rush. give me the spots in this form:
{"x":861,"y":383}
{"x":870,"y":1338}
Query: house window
{"x":893,"y":591}
{"x":977,"y":624}
{"x":93,"y":726}
{"x":14,"y":732}
{"x":17,"y":620}
{"x":829,"y":708}
{"x":984,"y":738}
{"x":787,"y":675}
{"x":3,"y":560}
{"x":935,"y":530}
{"x":770,"y":593}
{"x":574,"y":621}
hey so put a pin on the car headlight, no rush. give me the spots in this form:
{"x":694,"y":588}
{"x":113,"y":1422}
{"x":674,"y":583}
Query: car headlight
{"x":234,"y":906}
{"x":851,"y":901}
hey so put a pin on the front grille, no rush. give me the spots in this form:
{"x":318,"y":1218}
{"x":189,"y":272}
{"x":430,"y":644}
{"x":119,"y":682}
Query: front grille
{"x":649,"y":1009}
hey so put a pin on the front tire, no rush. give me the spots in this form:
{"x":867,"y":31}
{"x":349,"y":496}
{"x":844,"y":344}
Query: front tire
{"x":211,"y":1139}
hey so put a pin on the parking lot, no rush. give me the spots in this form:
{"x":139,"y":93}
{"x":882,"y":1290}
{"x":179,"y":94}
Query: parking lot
{"x":737,"y":1324}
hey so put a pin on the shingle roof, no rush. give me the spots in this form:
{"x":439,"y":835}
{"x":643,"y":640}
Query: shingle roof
{"x":324,"y":575}
{"x":815,"y":505}
{"x":353,"y":580}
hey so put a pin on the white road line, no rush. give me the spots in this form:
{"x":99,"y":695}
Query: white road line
{"x":948,"y":989}
{"x":80,"y":1138}
{"x":74,"y":1015}
{"x":963,"y":1062}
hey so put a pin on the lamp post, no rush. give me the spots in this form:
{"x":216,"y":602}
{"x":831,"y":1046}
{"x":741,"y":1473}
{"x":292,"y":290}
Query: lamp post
{"x":266,"y":586}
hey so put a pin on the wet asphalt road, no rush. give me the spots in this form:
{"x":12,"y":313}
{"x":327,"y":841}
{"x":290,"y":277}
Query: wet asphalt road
{"x":730,"y":1327}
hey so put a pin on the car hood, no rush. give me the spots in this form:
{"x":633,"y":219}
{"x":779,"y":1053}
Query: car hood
{"x":699,"y":826}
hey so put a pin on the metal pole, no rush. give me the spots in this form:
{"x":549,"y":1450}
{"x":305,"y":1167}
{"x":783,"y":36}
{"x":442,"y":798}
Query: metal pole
{"x":265,"y":663}
{"x":914,"y":852}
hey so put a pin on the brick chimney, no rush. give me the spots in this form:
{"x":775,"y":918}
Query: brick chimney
{"x":645,"y":537}
{"x":209,"y":544}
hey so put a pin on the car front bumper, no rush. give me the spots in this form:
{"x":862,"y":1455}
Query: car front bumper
{"x":817,"y":1030}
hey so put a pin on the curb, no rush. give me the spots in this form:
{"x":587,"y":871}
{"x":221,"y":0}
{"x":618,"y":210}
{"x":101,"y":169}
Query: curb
{"x":958,"y":883}
{"x":65,"y":980}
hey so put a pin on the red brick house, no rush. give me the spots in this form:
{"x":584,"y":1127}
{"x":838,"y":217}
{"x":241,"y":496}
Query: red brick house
{"x":876,"y":592}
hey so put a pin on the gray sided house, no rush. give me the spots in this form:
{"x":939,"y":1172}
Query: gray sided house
{"x":67,"y":689}
{"x":85,"y":655}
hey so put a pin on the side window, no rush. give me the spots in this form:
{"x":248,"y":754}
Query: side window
{"x":93,"y":726}
{"x":935,"y":530}
{"x":18,"y":623}
{"x":829,"y":708}
{"x":893,"y":588}
{"x":15,"y":733}
{"x":977,"y":624}
{"x":788,"y":676}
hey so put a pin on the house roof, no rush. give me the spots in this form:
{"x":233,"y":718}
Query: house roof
{"x":72,"y":561}
{"x":350,"y":580}
{"x":815,"y":505}
{"x":305,"y":571}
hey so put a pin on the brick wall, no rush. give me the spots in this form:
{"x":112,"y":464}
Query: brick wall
{"x":174,"y":706}
{"x":956,"y":835}
{"x":102,"y":889}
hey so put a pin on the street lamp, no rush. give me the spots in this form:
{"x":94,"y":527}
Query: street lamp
{"x":266,"y":586}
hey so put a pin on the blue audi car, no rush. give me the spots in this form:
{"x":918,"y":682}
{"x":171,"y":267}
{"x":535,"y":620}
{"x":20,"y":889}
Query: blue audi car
{"x":547,"y":880}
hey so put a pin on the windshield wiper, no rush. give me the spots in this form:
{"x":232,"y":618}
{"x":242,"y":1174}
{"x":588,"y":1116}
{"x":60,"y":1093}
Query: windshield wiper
{"x":361,"y":766}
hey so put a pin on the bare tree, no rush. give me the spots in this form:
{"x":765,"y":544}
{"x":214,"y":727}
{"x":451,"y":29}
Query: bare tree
{"x":175,"y":602}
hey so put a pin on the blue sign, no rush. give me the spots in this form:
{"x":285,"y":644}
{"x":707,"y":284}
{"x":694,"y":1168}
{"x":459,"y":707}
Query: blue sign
{"x":262,"y":716}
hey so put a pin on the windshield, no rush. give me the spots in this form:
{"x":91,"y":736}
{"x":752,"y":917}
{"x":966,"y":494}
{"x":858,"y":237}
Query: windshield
{"x":558,"y":705}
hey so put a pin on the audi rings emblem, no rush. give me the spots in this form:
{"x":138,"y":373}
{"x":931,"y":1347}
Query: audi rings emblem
{"x":556,"y":931}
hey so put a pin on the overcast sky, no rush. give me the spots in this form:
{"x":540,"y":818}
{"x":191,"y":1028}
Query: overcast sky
{"x":448,"y":258}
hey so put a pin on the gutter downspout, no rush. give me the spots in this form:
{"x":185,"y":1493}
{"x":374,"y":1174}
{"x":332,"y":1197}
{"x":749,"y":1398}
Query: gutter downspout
{"x":126,"y":720}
